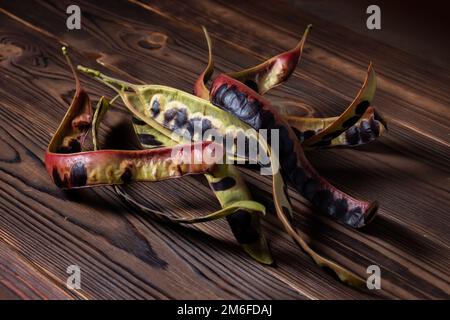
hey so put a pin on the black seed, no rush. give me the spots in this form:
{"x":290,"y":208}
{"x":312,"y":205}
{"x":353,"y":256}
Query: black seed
{"x":230,"y":101}
{"x":353,"y":217}
{"x":351,"y":121}
{"x":250,"y":110}
{"x":365,"y":126}
{"x":365,"y":131}
{"x":242,"y":227}
{"x":338,"y":209}
{"x":181,"y":119}
{"x":362,"y":107}
{"x":218,"y":95}
{"x":241,"y":97}
{"x":138,"y":121}
{"x":169,"y":115}
{"x":255,"y":122}
{"x":310,"y":188}
{"x":322,"y":200}
{"x":206,"y":125}
{"x":190,"y":129}
{"x":193,"y":124}
{"x":126,"y":176}
{"x":155,"y":108}
{"x":224,"y":184}
{"x":352,"y":135}
{"x":237,"y":103}
{"x":149,"y":139}
{"x":255,"y":106}
{"x":78,"y":175}
{"x":251,"y":84}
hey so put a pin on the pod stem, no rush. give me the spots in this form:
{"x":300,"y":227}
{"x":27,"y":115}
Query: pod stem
{"x":72,"y":68}
{"x":109,"y":81}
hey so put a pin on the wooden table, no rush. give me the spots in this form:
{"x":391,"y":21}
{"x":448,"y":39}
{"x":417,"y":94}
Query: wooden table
{"x":123,"y":253}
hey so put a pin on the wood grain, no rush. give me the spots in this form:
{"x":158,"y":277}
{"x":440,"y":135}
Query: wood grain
{"x":124,"y":254}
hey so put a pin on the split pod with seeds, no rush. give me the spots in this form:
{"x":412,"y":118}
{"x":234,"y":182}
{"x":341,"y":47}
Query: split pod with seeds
{"x":240,"y":94}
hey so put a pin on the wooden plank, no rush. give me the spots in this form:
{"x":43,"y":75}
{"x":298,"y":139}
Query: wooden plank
{"x":114,"y":36}
{"x":20,"y":279}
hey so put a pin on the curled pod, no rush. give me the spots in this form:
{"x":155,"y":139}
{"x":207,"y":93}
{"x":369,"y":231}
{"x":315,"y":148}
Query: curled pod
{"x":367,"y":129}
{"x":262,"y":77}
{"x":274,"y":71}
{"x":350,"y":116}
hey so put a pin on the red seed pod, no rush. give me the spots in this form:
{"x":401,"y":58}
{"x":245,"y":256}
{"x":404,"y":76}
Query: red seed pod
{"x":240,"y":100}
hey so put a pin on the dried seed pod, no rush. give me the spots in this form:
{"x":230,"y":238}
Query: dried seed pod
{"x":350,"y":116}
{"x":142,"y":97}
{"x":253,"y":109}
{"x":273,"y":71}
{"x":367,"y":129}
{"x":261,"y":78}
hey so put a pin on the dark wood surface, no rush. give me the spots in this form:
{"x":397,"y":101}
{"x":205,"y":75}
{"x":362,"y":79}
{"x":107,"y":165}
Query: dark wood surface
{"x":123,"y":253}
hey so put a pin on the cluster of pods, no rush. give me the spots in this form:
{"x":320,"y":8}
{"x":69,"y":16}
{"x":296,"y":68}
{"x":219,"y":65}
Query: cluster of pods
{"x":165,"y":119}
